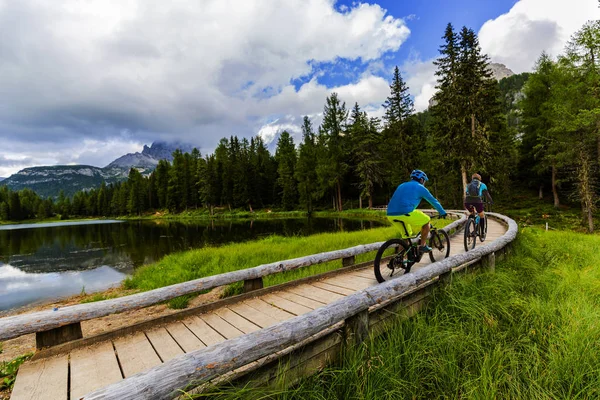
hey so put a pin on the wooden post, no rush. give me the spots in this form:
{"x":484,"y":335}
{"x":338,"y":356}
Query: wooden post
{"x":488,"y":262}
{"x":57,"y":336}
{"x":347,"y":261}
{"x":445,"y":278}
{"x":356,"y":329}
{"x":253,"y":284}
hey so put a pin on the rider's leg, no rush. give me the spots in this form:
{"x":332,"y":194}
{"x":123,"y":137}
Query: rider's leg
{"x":424,"y":233}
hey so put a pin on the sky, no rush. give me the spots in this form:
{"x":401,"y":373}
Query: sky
{"x":86,"y":81}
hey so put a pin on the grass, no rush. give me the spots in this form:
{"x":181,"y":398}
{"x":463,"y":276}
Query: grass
{"x":98,"y":297}
{"x":530,"y":330}
{"x":223,"y":213}
{"x":194,"y":264}
{"x":8,"y":371}
{"x":529,"y":211}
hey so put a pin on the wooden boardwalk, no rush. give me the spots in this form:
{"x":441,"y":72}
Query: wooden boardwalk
{"x":85,"y":369}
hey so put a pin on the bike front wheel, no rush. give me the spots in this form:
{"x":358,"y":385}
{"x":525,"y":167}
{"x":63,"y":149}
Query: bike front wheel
{"x":396,"y":265}
{"x":440,"y":245}
{"x":470,"y":234}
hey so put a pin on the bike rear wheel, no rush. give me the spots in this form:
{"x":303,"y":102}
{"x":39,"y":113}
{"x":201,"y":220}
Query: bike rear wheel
{"x":440,"y":245}
{"x":398,"y":264}
{"x":470,"y":234}
{"x":483,"y":223}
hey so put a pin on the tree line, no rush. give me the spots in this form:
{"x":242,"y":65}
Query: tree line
{"x":530,"y":130}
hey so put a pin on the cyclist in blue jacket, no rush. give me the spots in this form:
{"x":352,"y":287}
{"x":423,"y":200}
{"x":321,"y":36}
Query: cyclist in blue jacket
{"x":406,"y":199}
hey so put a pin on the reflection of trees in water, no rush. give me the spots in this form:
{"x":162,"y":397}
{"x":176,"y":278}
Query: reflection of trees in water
{"x":135,"y":243}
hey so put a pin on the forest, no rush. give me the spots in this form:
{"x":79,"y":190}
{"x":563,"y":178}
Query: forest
{"x":536,"y":131}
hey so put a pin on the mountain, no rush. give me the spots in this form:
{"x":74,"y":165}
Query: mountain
{"x":499,"y":72}
{"x":1,"y":179}
{"x":49,"y":181}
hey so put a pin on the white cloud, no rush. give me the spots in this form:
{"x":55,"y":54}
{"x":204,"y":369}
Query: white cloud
{"x":518,"y":37}
{"x":421,"y":80}
{"x":190,"y":70}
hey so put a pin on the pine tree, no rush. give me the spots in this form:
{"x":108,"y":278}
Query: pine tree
{"x":398,"y":147}
{"x":365,"y":138}
{"x":467,"y":108}
{"x":332,"y":163}
{"x":305,"y":173}
{"x":575,"y":102}
{"x":538,"y":153}
{"x":285,"y":155}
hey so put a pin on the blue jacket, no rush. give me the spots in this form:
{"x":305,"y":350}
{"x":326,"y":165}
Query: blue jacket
{"x":408,"y":196}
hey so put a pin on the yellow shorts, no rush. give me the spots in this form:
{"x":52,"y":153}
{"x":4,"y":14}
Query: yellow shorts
{"x":413,"y":221}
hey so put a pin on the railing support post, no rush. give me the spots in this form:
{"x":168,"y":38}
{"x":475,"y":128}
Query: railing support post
{"x":57,"y":336}
{"x":347,"y":261}
{"x":488,"y":262}
{"x":445,"y":278}
{"x":253,"y":284}
{"x":356,"y":329}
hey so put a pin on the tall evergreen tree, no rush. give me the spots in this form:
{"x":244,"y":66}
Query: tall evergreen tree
{"x":285,"y":155}
{"x":305,"y":173}
{"x":333,"y":162}
{"x":538,"y":152}
{"x":398,"y":146}
{"x":366,"y":138}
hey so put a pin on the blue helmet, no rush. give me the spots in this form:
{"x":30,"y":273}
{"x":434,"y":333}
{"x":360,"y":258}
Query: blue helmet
{"x":417,"y":174}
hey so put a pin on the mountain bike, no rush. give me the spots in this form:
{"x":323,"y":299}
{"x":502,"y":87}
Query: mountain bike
{"x":474,"y":227}
{"x":403,"y":253}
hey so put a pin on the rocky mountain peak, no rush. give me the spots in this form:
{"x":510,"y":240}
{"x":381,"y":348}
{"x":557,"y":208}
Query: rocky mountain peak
{"x":500,"y":71}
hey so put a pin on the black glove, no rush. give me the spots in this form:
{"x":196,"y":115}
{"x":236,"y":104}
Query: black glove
{"x":443,"y":216}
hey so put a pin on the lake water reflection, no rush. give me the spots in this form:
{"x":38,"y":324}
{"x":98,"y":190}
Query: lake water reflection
{"x":50,"y":261}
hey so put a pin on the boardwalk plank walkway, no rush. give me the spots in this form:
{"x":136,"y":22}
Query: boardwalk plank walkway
{"x":70,"y":376}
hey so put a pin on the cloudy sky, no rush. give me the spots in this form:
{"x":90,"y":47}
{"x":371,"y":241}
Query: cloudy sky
{"x":85,"y":81}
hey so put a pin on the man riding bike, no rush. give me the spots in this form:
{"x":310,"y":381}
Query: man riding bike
{"x":474,"y":197}
{"x":402,"y":207}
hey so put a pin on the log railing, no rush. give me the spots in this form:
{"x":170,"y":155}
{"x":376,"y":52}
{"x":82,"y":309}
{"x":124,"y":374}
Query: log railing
{"x":53,"y":327}
{"x":198,"y":367}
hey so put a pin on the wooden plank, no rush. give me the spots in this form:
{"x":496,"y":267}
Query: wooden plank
{"x":184,"y":337}
{"x":164,"y":344}
{"x":261,"y":319}
{"x":92,"y":368}
{"x":43,"y":379}
{"x":236,"y":320}
{"x":299,"y":299}
{"x":135,"y":354}
{"x":289,"y":306}
{"x":347,"y":282}
{"x":265,"y":307}
{"x":203,"y":331}
{"x":332,"y":288}
{"x":367,"y":273}
{"x":369,"y":278}
{"x":220,"y":325}
{"x":315,"y":293}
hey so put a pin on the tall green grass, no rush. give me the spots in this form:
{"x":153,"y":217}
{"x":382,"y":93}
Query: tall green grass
{"x":531,"y":330}
{"x":193,"y":264}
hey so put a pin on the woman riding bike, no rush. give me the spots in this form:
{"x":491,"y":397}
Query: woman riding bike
{"x":406,"y":199}
{"x":474,"y":197}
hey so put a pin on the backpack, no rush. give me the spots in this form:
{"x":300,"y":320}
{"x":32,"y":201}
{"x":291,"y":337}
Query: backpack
{"x":473,"y":188}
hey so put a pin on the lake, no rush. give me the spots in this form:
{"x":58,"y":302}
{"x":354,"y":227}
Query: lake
{"x":50,"y":261}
